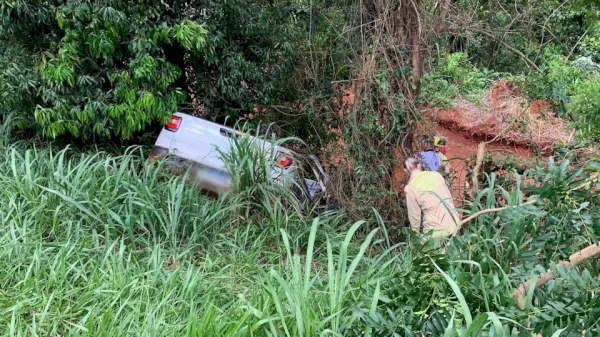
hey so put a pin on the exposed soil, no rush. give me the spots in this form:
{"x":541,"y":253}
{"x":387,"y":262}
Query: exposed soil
{"x":461,"y":150}
{"x":399,"y":177}
{"x":540,"y":107}
{"x":512,"y":125}
{"x":505,"y":115}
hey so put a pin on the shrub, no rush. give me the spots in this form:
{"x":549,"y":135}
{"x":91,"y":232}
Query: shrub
{"x":556,"y":83}
{"x":110,"y":69}
{"x":590,"y":44}
{"x":585,"y":107}
{"x":454,"y":76}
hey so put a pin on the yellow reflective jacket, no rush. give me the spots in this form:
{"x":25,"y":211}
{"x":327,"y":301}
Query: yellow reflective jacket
{"x":430,"y":205}
{"x":444,"y":165}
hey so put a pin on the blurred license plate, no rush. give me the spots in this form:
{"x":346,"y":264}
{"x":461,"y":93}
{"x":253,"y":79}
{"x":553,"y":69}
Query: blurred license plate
{"x":212,"y":180}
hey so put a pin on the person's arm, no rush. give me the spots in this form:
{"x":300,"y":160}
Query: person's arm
{"x":414,"y":210}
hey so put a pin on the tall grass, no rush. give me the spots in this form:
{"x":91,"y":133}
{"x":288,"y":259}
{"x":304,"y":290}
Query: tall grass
{"x":113,"y":245}
{"x":258,"y":182}
{"x":93,"y":244}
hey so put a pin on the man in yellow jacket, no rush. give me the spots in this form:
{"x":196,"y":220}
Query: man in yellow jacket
{"x":429,"y":202}
{"x":440,"y":149}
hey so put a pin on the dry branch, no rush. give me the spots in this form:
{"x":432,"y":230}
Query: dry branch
{"x":575,"y":259}
{"x":585,"y":183}
{"x":478,"y":164}
{"x":490,"y":210}
{"x":480,"y":155}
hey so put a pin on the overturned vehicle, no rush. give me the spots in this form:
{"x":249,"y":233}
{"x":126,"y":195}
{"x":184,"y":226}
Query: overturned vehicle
{"x":203,"y":147}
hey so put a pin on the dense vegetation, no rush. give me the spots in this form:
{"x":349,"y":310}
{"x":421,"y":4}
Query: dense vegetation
{"x":103,"y":71}
{"x":110,"y":68}
{"x":104,"y":245}
{"x":96,"y":241}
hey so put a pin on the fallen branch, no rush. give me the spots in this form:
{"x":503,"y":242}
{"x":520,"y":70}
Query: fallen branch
{"x":490,"y":210}
{"x":590,"y":180}
{"x":478,"y":164}
{"x":480,"y":155}
{"x":575,"y":259}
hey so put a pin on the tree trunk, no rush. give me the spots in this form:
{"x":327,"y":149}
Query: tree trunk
{"x":443,"y":14}
{"x":416,"y":59}
{"x":399,"y":177}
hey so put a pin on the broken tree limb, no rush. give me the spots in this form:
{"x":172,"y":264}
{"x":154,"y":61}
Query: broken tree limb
{"x":491,"y":210}
{"x":592,"y":180}
{"x":585,"y":183}
{"x":477,"y":168}
{"x":480,"y":155}
{"x":499,"y":160}
{"x":575,"y":259}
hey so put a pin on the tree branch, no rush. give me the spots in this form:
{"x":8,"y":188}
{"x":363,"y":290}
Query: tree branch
{"x":513,"y":49}
{"x":446,"y":4}
{"x":575,"y":259}
{"x":478,"y":164}
{"x":490,"y":210}
{"x":576,"y":44}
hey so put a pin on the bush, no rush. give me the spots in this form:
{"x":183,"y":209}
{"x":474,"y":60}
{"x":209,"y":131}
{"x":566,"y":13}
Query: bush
{"x":585,"y":107}
{"x":454,"y":76}
{"x":556,"y":83}
{"x":110,"y":70}
{"x":590,"y":45}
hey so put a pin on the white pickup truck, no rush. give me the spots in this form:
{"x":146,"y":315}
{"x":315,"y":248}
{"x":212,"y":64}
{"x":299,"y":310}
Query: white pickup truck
{"x":196,"y":142}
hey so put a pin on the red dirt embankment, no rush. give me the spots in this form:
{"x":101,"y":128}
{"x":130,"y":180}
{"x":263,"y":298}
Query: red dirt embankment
{"x":505,"y":116}
{"x":461,"y":148}
{"x":505,"y":119}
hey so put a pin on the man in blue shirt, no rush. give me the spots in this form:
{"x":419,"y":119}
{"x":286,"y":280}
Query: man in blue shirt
{"x":429,"y":159}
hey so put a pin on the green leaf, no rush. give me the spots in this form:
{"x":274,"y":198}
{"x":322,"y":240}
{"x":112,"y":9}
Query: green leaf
{"x":475,"y":328}
{"x":558,"y":332}
{"x":461,"y":298}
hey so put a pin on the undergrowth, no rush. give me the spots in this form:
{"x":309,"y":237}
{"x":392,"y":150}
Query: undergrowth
{"x":94,"y":244}
{"x":455,"y":77}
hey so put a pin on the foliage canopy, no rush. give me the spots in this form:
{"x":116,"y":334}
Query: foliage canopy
{"x":110,"y":68}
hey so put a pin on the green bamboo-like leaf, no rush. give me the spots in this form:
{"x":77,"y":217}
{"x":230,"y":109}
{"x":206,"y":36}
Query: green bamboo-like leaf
{"x":461,"y":298}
